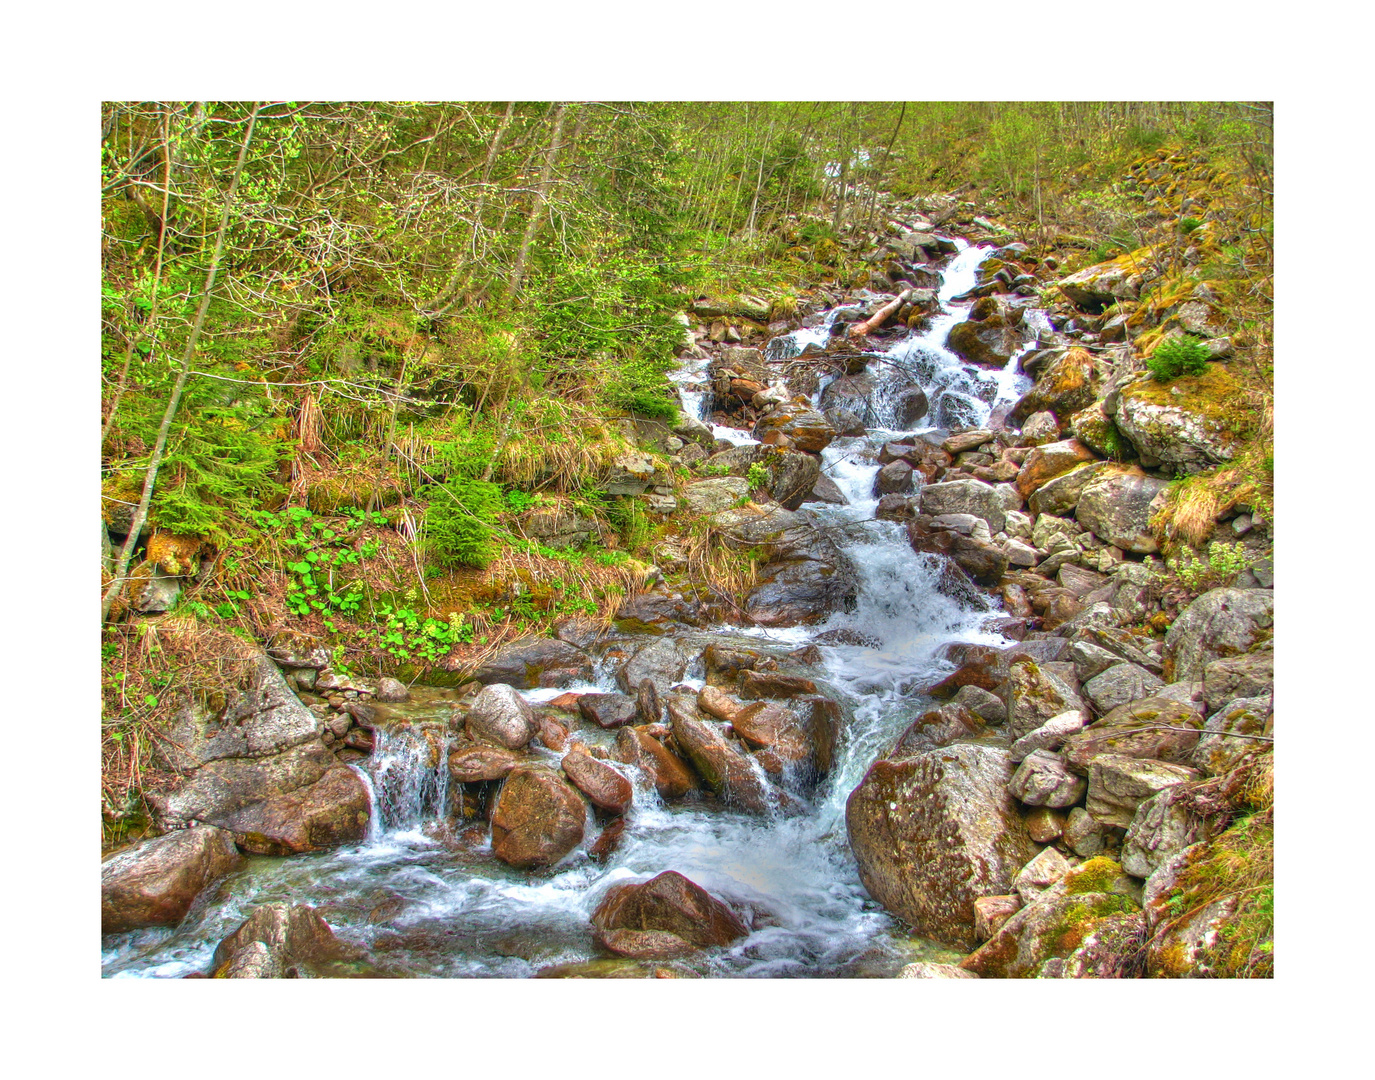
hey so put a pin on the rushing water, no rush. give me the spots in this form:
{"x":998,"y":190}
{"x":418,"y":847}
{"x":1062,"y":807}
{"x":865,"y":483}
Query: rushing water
{"x":427,"y":898}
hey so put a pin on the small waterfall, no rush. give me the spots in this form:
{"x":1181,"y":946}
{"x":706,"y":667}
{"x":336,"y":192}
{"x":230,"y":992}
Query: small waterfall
{"x":408,"y":774}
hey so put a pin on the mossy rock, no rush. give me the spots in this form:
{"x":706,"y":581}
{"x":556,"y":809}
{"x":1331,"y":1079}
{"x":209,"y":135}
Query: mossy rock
{"x":352,"y":490}
{"x":175,"y":554}
{"x":1190,"y":423}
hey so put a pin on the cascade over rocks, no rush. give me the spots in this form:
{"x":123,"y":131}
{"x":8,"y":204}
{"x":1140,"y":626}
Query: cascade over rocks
{"x":669,"y":904}
{"x":277,"y":937}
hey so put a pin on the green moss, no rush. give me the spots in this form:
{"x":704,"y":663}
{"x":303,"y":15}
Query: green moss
{"x":1214,"y":394}
{"x":1098,"y":875}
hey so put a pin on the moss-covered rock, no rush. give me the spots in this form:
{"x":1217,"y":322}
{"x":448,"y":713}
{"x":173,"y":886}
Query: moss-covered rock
{"x":1186,"y":423}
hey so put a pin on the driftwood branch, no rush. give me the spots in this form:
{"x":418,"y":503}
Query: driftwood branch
{"x":881,"y":316}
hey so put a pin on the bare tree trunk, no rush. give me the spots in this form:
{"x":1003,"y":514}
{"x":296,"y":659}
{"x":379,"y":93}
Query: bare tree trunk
{"x":546,"y":183}
{"x":174,"y":401}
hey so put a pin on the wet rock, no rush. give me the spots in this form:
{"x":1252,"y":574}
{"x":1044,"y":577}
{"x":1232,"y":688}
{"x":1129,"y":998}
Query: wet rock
{"x":154,"y":883}
{"x":723,"y":768}
{"x":984,"y":562}
{"x":332,"y":811}
{"x":604,"y":787}
{"x":896,"y":507}
{"x":671,"y":904}
{"x":988,"y":343}
{"x":937,"y":728}
{"x":965,"y":497}
{"x":910,"y":406}
{"x":770,"y":684}
{"x":1219,"y":749}
{"x":669,"y":774}
{"x":717,"y":494}
{"x":1219,"y":624}
{"x":550,"y":732}
{"x":934,"y":833}
{"x":1052,"y":928}
{"x":662,"y":662}
{"x":1119,"y":785}
{"x":644,"y":944}
{"x":768,"y":725}
{"x":1146,"y":728}
{"x":826,"y":490}
{"x":806,"y":428}
{"x":537,"y":820}
{"x":656,"y":613}
{"x":718,"y":704}
{"x":724,"y":663}
{"x":534,"y":662}
{"x":609,"y":710}
{"x":1067,"y":384}
{"x":1120,"y":685}
{"x":1049,"y":736}
{"x":1033,"y":694}
{"x":392,"y":690}
{"x":293,"y":934}
{"x":647,"y":701}
{"x":500,"y":715}
{"x":478,"y":763}
{"x":793,"y":477}
{"x":894,"y":477}
{"x":1117,"y":506}
{"x":254,"y":961}
{"x":806,"y":579}
{"x":1043,"y":779}
{"x":608,"y":840}
{"x":1045,"y":825}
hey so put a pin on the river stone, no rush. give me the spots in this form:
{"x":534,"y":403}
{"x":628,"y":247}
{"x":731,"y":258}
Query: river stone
{"x":500,"y":715}
{"x":291,"y":648}
{"x":669,"y":774}
{"x":644,"y":944}
{"x":537,"y":819}
{"x":1042,"y":779}
{"x":936,"y":728}
{"x":893,"y":478}
{"x":793,"y":477}
{"x":293,"y":933}
{"x":769,"y":684}
{"x":719,"y":493}
{"x":661,"y":661}
{"x":1049,"y":736}
{"x":1221,"y":623}
{"x":656,"y":613}
{"x":826,"y":490}
{"x":1117,"y":507}
{"x":1248,"y":676}
{"x":1146,"y":728}
{"x":647,"y":701}
{"x":154,"y":883}
{"x":1060,"y":494}
{"x":1083,"y":835}
{"x":672,"y":904}
{"x":1033,"y":694}
{"x":604,"y":787}
{"x":964,"y":497}
{"x":1216,"y":752}
{"x":1119,"y":785}
{"x":989,"y":343}
{"x":477,"y":763}
{"x":933,"y":833}
{"x":332,"y":811}
{"x":392,"y":690}
{"x":1119,"y":685}
{"x":1048,"y":867}
{"x":804,"y":426}
{"x":534,"y":662}
{"x":609,"y":710}
{"x":805,"y":580}
{"x":724,"y":768}
{"x":717,"y":703}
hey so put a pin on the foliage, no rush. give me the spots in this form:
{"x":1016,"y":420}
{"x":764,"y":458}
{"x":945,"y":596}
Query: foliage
{"x":1176,"y":356}
{"x":459,"y":522}
{"x":1224,"y":563}
{"x":758,"y":475}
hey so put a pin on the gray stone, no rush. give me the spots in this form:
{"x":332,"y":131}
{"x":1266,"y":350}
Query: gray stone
{"x":1118,"y":785}
{"x":965,"y":497}
{"x":1220,"y":748}
{"x":1090,"y":660}
{"x":155,"y":883}
{"x":1049,"y":736}
{"x":712,"y":496}
{"x":661,"y":661}
{"x":1162,"y":827}
{"x":1117,"y":507}
{"x":500,"y":715}
{"x":1082,"y":835}
{"x":1043,"y":779}
{"x":1048,"y":867}
{"x":392,"y":690}
{"x":1033,"y":695}
{"x":1251,"y":675}
{"x":1119,"y":685}
{"x":1221,"y":623}
{"x":982,"y":703}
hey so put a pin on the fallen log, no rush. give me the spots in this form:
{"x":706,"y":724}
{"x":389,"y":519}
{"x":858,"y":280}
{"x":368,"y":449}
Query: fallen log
{"x":881,"y":316}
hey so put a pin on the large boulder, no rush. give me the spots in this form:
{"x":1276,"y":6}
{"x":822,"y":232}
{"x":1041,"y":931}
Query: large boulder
{"x":537,"y":820}
{"x":715,"y":495}
{"x":278,"y":937}
{"x":154,"y":883}
{"x":1248,"y":676}
{"x":500,"y":715}
{"x":1117,"y":505}
{"x":723,"y":767}
{"x":1183,"y":424}
{"x":535,"y":662}
{"x":332,"y":811}
{"x":1119,"y":785}
{"x":934,"y":832}
{"x":1223,"y":743}
{"x":1152,"y":727}
{"x":805,"y":580}
{"x":1101,"y":284}
{"x":1060,"y":494}
{"x":965,"y":497}
{"x":672,"y":904}
{"x":1221,"y":623}
{"x":988,"y":342}
{"x":1119,"y":685}
{"x":1067,"y":384}
{"x":670,"y":775}
{"x":1033,"y":694}
{"x":793,"y":477}
{"x":983,"y":561}
{"x":474,"y":764}
{"x":610,"y":710}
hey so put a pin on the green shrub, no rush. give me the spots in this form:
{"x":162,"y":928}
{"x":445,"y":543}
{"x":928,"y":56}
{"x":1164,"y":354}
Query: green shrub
{"x":1178,"y":356}
{"x":1225,"y":563}
{"x":758,"y":475}
{"x":1189,"y":224}
{"x":458,"y":523}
